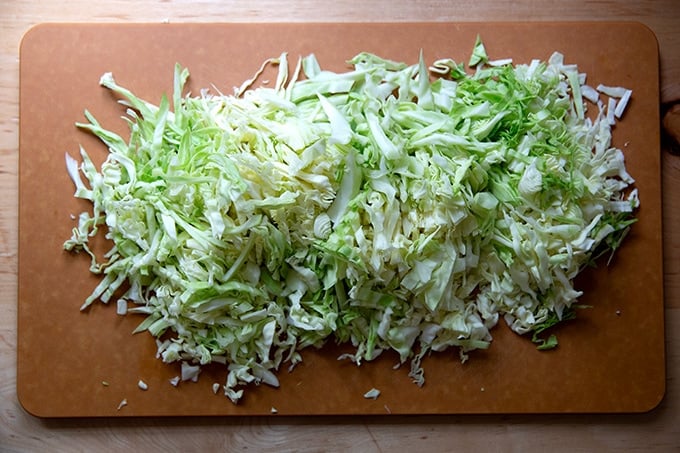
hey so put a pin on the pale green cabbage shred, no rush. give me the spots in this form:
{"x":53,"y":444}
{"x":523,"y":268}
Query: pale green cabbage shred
{"x":392,"y":207}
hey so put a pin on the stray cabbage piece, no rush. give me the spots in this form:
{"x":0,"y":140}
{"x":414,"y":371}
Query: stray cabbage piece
{"x":372,"y":394}
{"x":479,"y":55}
{"x":190,"y":372}
{"x":375,"y":207}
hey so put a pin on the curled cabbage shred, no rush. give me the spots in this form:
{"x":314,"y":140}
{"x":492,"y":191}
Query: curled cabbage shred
{"x":391,"y":207}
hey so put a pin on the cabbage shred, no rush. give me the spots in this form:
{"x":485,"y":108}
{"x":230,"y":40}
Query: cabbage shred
{"x":380,"y":207}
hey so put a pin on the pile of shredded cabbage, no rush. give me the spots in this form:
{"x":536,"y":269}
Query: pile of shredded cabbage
{"x":393,"y":207}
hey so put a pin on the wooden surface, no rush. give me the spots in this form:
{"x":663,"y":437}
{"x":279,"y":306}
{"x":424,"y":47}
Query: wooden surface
{"x":657,"y":430}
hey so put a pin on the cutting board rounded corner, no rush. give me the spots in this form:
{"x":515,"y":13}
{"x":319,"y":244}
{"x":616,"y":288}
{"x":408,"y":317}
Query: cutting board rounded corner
{"x":654,"y":403}
{"x":656,"y":399}
{"x":647,"y":35}
{"x":29,"y":403}
{"x":32,"y":33}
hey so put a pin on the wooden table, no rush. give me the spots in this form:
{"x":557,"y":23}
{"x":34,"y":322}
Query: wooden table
{"x":658,"y":430}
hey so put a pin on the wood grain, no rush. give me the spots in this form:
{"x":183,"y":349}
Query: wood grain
{"x":19,"y":432}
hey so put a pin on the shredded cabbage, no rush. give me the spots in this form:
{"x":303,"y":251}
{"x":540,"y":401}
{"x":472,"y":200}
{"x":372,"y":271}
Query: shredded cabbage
{"x":383,"y":207}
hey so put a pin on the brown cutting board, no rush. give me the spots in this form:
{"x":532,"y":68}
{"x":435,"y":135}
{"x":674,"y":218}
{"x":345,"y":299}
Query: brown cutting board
{"x":611,"y":359}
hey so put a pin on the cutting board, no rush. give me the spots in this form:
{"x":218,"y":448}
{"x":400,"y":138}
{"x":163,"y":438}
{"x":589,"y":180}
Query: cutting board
{"x":611,"y":359}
